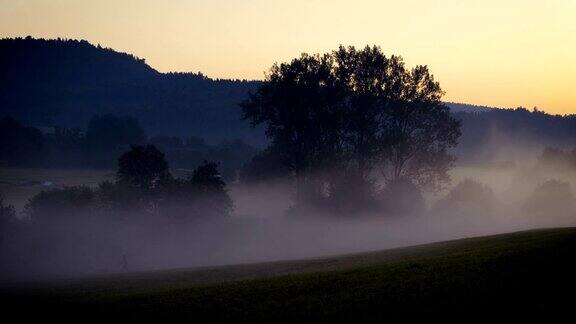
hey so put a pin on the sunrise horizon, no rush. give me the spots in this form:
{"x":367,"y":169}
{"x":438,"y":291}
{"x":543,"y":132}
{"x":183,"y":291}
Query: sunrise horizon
{"x":292,"y":161}
{"x":486,"y":53}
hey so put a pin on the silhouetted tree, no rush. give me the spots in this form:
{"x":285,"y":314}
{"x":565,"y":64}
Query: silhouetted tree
{"x":298,"y":105}
{"x":394,"y":117}
{"x":41,"y":78}
{"x":467,"y":198}
{"x":366,"y":77}
{"x":143,"y":167}
{"x":356,"y":108}
{"x":417,"y":129}
{"x":211,"y":189}
{"x":207,"y":178}
{"x":202,"y":195}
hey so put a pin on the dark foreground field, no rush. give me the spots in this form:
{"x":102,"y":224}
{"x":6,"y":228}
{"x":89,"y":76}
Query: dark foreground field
{"x":521,"y":274}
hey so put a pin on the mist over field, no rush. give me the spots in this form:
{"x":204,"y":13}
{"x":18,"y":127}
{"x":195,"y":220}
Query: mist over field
{"x":260,"y":229}
{"x":300,"y":161}
{"x":348,"y":151}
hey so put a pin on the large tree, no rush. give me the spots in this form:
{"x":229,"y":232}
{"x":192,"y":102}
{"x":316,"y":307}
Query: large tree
{"x":298,"y":104}
{"x":394,"y":117}
{"x":357,"y":109}
{"x":418,"y":131}
{"x":361,"y":76}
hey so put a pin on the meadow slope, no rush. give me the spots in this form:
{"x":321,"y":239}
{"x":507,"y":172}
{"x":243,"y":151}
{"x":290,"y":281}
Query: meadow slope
{"x":519,"y":273}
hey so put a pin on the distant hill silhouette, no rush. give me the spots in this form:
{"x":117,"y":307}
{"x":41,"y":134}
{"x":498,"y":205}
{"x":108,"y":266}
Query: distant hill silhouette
{"x":65,"y":82}
{"x":512,"y":134}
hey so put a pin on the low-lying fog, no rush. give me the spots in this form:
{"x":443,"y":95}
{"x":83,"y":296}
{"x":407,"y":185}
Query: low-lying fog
{"x":259,"y":230}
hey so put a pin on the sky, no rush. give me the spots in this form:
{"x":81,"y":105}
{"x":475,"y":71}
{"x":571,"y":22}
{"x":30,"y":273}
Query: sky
{"x":503,"y":53}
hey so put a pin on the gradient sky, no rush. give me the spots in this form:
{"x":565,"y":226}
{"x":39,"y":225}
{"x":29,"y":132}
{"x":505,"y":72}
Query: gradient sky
{"x":503,"y":53}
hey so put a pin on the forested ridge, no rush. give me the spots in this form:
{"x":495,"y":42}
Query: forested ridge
{"x":65,"y":82}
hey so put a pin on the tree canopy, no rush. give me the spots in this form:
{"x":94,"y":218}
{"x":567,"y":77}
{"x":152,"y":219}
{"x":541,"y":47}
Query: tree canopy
{"x":143,"y":167}
{"x":356,"y":109}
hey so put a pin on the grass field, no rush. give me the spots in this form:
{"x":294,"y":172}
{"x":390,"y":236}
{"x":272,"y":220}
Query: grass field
{"x":521,"y":273}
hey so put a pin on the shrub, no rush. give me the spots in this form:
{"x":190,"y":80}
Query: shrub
{"x":468,"y":198}
{"x":557,"y":159}
{"x":352,"y":193}
{"x":402,"y":197}
{"x":202,"y":195}
{"x":58,"y":203}
{"x":551,"y":201}
{"x":144,"y":167}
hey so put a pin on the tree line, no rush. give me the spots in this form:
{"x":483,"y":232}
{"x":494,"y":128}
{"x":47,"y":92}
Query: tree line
{"x":143,"y":186}
{"x":103,"y":140}
{"x":65,"y":82}
{"x":351,"y":128}
{"x":484,"y":133}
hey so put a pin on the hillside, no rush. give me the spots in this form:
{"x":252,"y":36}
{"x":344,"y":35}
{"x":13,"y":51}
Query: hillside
{"x":65,"y":82}
{"x":518,"y":273}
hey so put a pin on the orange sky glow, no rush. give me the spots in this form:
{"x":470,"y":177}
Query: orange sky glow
{"x":496,"y":53}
